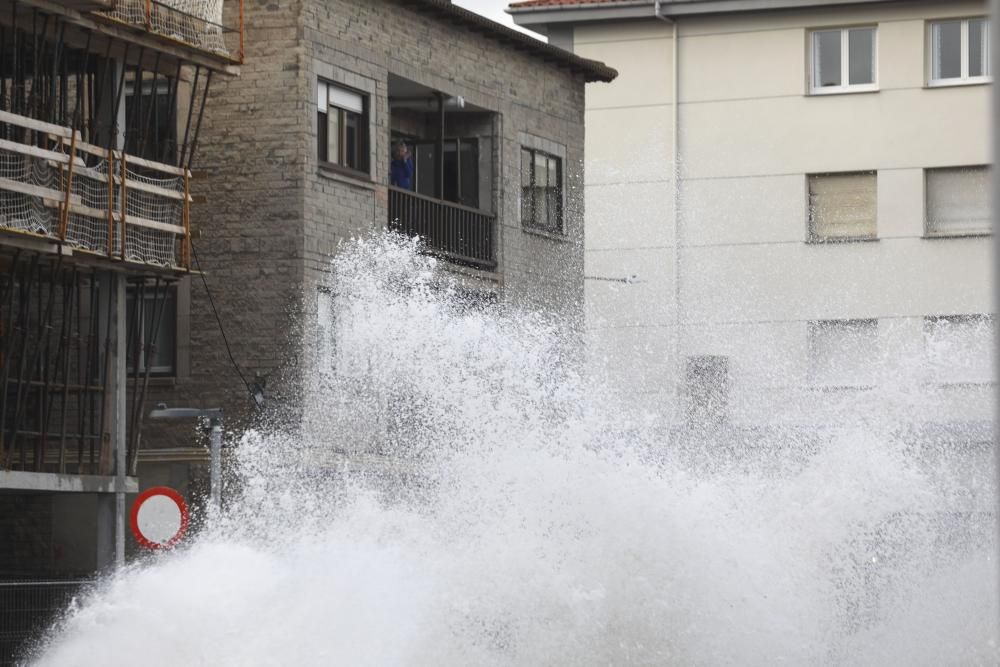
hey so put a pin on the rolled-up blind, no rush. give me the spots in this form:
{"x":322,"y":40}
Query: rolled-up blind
{"x":958,"y":200}
{"x":842,"y":206}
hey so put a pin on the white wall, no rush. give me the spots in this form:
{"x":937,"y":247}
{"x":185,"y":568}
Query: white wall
{"x":749,"y":134}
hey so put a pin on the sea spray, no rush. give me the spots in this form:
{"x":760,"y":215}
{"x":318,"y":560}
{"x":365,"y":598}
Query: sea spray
{"x":458,"y":492}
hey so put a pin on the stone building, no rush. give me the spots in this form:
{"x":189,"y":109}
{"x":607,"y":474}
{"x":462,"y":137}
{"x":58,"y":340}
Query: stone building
{"x":295,"y":158}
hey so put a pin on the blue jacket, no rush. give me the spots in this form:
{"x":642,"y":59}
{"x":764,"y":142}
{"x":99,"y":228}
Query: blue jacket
{"x":401,"y":173}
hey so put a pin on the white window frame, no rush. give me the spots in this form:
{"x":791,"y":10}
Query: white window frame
{"x":844,"y":62}
{"x":964,"y":79}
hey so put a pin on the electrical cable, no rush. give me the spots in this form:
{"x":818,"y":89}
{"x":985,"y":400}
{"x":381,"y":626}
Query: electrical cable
{"x":253,"y":390}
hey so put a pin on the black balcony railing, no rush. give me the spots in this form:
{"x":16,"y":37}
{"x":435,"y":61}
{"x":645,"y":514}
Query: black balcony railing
{"x":458,"y":233}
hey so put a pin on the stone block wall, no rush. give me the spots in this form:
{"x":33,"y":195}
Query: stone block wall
{"x":269,"y":216}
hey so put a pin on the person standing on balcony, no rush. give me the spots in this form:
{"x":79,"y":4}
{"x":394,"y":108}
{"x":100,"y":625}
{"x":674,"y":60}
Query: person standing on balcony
{"x":401,"y":169}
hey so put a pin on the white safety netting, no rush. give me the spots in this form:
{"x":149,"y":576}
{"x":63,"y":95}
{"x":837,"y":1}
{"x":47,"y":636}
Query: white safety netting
{"x":32,"y":196}
{"x":197,"y":22}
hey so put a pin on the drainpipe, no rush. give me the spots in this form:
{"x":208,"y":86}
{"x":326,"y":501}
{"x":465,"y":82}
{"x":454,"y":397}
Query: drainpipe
{"x":995,"y":52}
{"x":675,"y":205}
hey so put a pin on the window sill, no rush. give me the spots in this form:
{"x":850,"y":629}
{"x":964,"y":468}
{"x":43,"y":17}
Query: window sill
{"x":842,"y":90}
{"x":544,"y":233}
{"x":958,"y":235}
{"x":337,"y":173}
{"x":842,"y":241}
{"x":840,"y":388}
{"x":958,"y":83}
{"x":958,"y":384}
{"x":167,"y":381}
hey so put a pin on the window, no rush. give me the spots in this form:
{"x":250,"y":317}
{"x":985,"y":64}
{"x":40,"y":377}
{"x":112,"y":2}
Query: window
{"x":842,"y":207}
{"x":342,"y":127}
{"x":959,"y":348}
{"x":959,"y":51}
{"x":843,"y":60}
{"x":843,"y":353}
{"x":460,"y":170}
{"x":157,"y":329}
{"x":541,"y":190}
{"x":958,"y":201}
{"x":151,"y":121}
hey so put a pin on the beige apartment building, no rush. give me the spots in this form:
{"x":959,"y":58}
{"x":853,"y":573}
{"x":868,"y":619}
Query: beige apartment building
{"x":787,"y":206}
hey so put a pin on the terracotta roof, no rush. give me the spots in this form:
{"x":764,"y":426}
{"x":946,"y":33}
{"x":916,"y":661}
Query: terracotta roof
{"x":592,"y":70}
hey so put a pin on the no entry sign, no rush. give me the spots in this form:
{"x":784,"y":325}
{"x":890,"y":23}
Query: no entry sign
{"x":159,"y":518}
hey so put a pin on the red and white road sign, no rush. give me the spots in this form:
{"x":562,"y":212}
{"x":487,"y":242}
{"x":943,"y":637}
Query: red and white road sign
{"x":159,"y":518}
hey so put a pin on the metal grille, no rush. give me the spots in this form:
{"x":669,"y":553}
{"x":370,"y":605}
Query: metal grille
{"x":27,"y":609}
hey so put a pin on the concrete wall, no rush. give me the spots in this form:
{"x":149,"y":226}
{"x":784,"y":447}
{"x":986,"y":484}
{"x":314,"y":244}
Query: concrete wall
{"x":747,"y":281}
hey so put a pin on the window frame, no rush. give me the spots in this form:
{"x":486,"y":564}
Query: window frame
{"x":363,"y":134}
{"x":172,"y":295}
{"x":963,"y":79}
{"x":844,"y":61}
{"x":929,"y":231}
{"x":531,"y":223}
{"x":812,"y":237}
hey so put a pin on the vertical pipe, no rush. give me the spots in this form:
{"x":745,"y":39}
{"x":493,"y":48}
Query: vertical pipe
{"x":133,"y":120}
{"x":113,"y":127}
{"x":201,"y":115}
{"x":3,"y":69}
{"x":119,"y":385}
{"x":242,"y":33}
{"x":139,"y":94}
{"x":124,"y":206}
{"x":165,"y":155}
{"x":995,"y":55}
{"x":59,"y":29}
{"x":439,"y":148}
{"x":81,"y":73}
{"x":187,"y":128}
{"x":215,"y":476}
{"x":70,"y":299}
{"x":159,"y":306}
{"x":107,"y":367}
{"x":98,"y":98}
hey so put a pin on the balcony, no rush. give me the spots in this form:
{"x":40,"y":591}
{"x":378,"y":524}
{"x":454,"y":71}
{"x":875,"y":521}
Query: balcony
{"x":93,"y":199}
{"x":458,"y":233}
{"x":197,"y":23}
{"x":446,"y":192}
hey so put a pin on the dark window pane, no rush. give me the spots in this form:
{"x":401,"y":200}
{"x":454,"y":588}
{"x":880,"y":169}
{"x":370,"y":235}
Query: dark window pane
{"x":979,"y":54}
{"x":450,"y":168}
{"x":351,"y":123}
{"x":826,"y":58}
{"x":861,"y":56}
{"x":541,"y":184}
{"x":469,"y":149}
{"x":946,"y":49}
{"x":554,"y":193}
{"x":333,"y":136}
{"x":321,"y":140}
{"x":526,"y":194}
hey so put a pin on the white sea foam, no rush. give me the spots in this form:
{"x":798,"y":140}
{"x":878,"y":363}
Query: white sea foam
{"x":458,"y":493}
